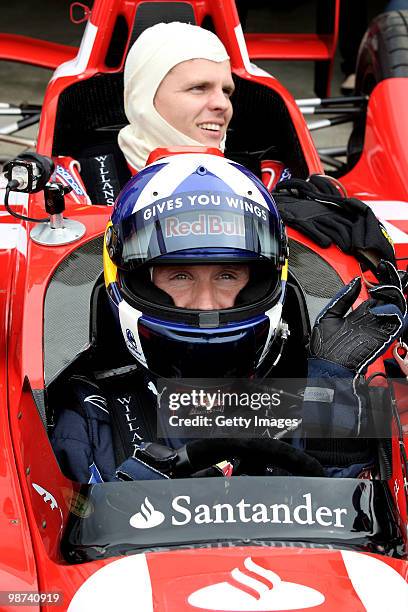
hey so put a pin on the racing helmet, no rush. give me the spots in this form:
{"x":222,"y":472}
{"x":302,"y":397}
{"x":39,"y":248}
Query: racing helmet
{"x":196,"y":208}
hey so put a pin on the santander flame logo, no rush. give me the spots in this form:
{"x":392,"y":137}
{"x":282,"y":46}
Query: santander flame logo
{"x":147,"y":517}
{"x":255,"y":589}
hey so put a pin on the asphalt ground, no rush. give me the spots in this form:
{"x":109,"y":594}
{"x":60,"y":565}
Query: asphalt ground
{"x":49,"y":20}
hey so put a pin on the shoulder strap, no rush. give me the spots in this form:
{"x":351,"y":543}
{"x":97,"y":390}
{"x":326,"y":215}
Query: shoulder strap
{"x":132,"y":414}
{"x":121,"y":402}
{"x":104,"y":171}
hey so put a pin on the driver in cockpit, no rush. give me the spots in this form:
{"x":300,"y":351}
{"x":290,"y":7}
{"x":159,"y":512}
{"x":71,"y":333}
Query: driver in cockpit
{"x":177,"y":92}
{"x":195,"y":265}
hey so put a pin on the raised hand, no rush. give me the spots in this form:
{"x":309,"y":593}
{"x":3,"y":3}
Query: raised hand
{"x":356,"y":339}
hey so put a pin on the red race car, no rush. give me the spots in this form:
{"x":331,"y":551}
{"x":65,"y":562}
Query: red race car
{"x":248,"y":543}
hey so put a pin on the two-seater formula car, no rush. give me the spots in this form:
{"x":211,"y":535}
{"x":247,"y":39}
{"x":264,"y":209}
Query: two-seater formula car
{"x":247,"y":543}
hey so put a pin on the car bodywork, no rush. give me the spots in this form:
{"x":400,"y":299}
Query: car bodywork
{"x":246,"y":569}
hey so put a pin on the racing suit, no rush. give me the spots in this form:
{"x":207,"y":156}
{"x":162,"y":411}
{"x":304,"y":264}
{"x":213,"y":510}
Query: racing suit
{"x":342,"y":344}
{"x":97,"y":433}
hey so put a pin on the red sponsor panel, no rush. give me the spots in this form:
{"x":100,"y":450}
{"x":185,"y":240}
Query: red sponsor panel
{"x":248,"y":578}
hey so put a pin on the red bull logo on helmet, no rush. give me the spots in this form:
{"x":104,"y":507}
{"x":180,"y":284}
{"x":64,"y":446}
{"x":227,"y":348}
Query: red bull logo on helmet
{"x":204,"y":225}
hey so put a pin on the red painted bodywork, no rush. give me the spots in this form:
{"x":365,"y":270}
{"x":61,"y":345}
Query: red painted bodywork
{"x":26,"y":50}
{"x":31,"y":531}
{"x":383,"y":168}
{"x":302,"y":47}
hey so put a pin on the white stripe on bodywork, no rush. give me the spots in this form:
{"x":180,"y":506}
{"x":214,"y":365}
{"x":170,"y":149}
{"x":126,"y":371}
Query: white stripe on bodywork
{"x":173,"y":174}
{"x":13,"y":235}
{"x":8,"y":235}
{"x":15,"y":197}
{"x":397,"y":235}
{"x":388,"y":211}
{"x":123,"y":585}
{"x":79,"y":64}
{"x":249,"y":66}
{"x":378,"y":585}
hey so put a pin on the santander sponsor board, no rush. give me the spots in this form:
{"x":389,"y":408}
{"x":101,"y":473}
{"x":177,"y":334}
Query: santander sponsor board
{"x":183,"y":513}
{"x":168,"y":512}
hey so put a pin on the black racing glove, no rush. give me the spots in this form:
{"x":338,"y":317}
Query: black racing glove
{"x":318,"y":210}
{"x":358,"y":338}
{"x":322,"y":223}
{"x":388,"y":275}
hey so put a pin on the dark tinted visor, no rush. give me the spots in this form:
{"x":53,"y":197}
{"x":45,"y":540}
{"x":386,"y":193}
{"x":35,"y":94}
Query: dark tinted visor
{"x":199,"y":221}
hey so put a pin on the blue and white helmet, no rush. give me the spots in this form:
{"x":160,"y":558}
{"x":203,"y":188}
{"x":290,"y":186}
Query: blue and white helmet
{"x":196,"y":208}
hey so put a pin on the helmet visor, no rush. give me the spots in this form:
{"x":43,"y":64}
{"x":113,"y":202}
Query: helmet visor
{"x":216,"y":221}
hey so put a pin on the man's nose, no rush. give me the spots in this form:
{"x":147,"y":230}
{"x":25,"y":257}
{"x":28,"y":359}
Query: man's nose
{"x":204,"y":298}
{"x":219,"y":100}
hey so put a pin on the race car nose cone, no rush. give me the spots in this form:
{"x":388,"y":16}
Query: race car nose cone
{"x":234,"y":579}
{"x":255,"y":588}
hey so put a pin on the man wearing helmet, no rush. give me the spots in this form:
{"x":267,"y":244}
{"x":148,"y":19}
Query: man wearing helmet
{"x":195,"y":264}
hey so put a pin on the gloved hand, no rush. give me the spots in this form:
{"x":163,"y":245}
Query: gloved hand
{"x":318,"y":210}
{"x":358,"y":338}
{"x":388,"y":275}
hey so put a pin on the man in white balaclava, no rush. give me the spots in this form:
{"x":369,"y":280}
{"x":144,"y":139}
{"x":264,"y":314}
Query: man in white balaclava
{"x":177,"y":91}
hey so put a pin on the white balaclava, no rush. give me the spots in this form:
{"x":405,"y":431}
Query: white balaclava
{"x":157,"y":50}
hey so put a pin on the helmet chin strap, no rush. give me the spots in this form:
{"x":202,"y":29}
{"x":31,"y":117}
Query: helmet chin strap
{"x":275,"y":317}
{"x":283,"y":332}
